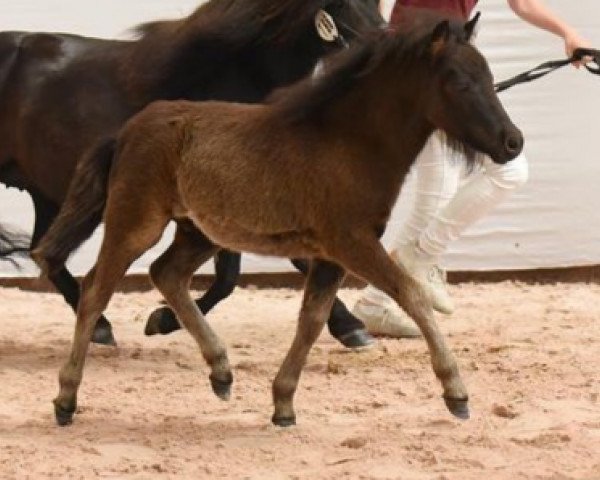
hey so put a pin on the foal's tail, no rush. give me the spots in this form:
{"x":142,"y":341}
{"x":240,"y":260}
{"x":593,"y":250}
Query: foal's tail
{"x":81,"y":211}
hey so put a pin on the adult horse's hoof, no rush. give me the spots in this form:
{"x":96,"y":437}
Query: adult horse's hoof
{"x":162,"y":321}
{"x":357,"y":339}
{"x":63,"y":416}
{"x":458,"y":407}
{"x":283,"y":421}
{"x":222,"y":388}
{"x":103,"y":335}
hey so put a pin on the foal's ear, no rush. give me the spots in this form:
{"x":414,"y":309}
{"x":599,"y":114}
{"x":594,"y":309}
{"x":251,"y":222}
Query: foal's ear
{"x":440,"y":37}
{"x":470,"y":26}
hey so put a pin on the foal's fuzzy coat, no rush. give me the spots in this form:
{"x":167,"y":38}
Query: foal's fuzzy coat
{"x":315,"y":174}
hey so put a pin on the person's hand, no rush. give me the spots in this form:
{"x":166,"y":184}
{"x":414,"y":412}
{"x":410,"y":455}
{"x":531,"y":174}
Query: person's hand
{"x":573,"y":41}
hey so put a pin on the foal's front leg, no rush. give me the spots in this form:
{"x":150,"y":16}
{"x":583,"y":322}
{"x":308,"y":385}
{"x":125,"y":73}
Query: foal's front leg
{"x":368,"y":259}
{"x":322,"y":283}
{"x":343,"y":325}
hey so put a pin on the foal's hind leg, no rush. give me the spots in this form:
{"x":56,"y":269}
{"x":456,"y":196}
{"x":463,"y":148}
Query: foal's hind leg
{"x":322,"y":283}
{"x":171,"y":274}
{"x":122,"y":244}
{"x":370,"y":261}
{"x":45,"y":213}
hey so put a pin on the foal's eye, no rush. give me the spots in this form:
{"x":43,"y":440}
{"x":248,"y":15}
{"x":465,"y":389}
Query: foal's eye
{"x":462,"y":86}
{"x":457,"y":81}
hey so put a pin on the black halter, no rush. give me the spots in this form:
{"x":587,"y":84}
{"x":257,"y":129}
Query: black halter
{"x":548,"y":67}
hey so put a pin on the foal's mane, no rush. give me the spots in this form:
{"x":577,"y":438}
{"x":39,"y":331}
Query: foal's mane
{"x":406,"y":46}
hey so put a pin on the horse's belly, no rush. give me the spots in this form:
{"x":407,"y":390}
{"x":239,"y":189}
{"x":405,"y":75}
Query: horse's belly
{"x":231,"y":235}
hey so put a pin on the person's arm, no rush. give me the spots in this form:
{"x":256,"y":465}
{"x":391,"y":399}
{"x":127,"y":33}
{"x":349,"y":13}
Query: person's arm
{"x":538,"y":14}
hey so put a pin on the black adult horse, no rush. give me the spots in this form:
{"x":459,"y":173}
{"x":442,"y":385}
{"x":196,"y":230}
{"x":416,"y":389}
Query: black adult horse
{"x":63,"y":95}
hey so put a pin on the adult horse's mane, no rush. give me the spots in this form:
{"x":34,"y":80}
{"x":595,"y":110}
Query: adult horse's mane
{"x":238,"y":22}
{"x":213,"y":33}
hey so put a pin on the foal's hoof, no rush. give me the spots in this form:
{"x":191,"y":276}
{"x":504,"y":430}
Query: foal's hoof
{"x":103,"y":335}
{"x":162,"y":321}
{"x":356,"y":339}
{"x":222,"y":388}
{"x":284,"y":421}
{"x":458,"y":407}
{"x":63,"y":416}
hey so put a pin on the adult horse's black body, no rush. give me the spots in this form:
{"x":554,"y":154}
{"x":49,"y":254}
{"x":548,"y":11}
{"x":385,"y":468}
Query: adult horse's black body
{"x":62,"y":95}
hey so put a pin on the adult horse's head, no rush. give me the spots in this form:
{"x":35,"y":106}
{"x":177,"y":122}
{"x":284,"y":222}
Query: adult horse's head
{"x":463,"y":102}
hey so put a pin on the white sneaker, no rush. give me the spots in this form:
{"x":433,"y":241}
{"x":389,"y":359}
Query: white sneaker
{"x":428,"y":274}
{"x":380,"y":320}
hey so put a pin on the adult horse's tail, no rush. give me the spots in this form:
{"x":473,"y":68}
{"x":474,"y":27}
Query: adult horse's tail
{"x":12,"y":243}
{"x":82,"y":210}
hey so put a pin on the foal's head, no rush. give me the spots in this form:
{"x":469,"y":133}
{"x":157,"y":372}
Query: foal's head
{"x":429,"y":73}
{"x":463,"y":102}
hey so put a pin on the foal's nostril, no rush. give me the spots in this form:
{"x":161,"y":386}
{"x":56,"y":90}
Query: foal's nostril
{"x":513,"y":143}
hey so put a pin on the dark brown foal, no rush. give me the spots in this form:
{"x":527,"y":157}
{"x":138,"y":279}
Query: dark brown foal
{"x":313,"y":175}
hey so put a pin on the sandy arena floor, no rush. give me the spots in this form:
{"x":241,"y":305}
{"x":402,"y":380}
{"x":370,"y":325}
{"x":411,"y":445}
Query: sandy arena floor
{"x":529,"y":356}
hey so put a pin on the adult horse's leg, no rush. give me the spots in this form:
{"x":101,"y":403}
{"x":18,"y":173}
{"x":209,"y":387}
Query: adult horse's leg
{"x":324,"y":279}
{"x":227,"y":271}
{"x":344,"y":326}
{"x":172,"y":273}
{"x":45,"y":213}
{"x":369,"y":260}
{"x":124,"y":241}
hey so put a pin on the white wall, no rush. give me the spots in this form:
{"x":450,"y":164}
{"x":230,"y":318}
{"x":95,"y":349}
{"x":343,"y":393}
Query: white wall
{"x":554,"y":220}
{"x":551,"y":222}
{"x":108,"y":18}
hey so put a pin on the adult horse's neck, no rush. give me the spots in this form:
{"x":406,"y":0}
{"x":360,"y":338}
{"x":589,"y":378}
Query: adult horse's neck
{"x":286,"y":62}
{"x":182,"y":60}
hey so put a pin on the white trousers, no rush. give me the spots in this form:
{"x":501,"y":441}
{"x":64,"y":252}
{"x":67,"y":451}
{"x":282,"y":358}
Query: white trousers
{"x":443,"y":207}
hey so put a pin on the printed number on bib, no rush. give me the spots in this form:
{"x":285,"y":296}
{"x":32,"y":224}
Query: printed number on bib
{"x":326,"y":27}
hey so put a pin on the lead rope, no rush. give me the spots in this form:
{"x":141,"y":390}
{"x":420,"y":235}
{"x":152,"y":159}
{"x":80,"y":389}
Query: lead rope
{"x":328,"y":32}
{"x":549,"y":67}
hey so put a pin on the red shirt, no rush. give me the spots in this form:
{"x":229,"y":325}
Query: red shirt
{"x":457,"y":8}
